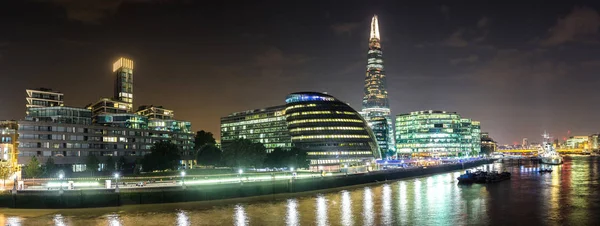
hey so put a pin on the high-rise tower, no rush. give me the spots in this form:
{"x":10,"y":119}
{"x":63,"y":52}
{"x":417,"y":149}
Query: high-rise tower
{"x":375,"y":101}
{"x":124,"y":81}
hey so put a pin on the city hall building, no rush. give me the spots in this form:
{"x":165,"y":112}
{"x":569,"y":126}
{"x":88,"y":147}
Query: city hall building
{"x":333,"y":133}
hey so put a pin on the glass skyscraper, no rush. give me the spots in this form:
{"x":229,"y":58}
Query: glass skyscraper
{"x":375,"y":100}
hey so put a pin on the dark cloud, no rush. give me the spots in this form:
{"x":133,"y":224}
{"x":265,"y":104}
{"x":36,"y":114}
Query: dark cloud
{"x":456,"y":39}
{"x":483,"y":22}
{"x":345,"y":28}
{"x":445,"y":10}
{"x":580,"y":25}
{"x":470,"y":59}
{"x":273,"y":62}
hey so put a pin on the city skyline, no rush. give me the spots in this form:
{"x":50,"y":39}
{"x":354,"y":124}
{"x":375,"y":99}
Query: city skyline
{"x":519,"y":73}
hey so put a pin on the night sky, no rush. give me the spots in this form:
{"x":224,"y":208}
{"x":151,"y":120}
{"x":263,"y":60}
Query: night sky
{"x":519,"y":68}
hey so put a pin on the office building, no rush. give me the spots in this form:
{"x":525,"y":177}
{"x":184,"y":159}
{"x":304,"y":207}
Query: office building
{"x":379,"y":126}
{"x":333,"y":134}
{"x":525,"y":143}
{"x":375,"y":100}
{"x":155,"y":112}
{"x":43,"y":97}
{"x":577,"y":142}
{"x":9,"y":145}
{"x":488,"y":145}
{"x":266,"y":126}
{"x":436,"y":134}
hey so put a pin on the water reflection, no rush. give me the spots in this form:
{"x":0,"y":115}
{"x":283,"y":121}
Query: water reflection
{"x":292,"y":212}
{"x":113,"y":220}
{"x":59,"y":220}
{"x":367,"y":207}
{"x":386,"y":206}
{"x":240,"y":215}
{"x":182,"y":218}
{"x":567,"y":196}
{"x":346,"y":208}
{"x":321,"y":210}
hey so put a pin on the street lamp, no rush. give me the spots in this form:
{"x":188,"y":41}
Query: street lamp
{"x":292,"y":169}
{"x":240,"y":171}
{"x":116,"y":182}
{"x":183,"y":179}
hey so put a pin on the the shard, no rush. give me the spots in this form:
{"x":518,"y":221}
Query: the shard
{"x":375,"y":101}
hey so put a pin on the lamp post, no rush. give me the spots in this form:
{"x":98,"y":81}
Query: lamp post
{"x":183,"y":179}
{"x":117,"y":182}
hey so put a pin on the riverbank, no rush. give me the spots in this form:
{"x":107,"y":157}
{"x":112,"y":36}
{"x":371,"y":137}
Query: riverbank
{"x":217,"y":192}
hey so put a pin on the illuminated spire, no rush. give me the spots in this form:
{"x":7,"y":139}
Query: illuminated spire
{"x":375,"y":27}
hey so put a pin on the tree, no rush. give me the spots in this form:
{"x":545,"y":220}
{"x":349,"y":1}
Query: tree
{"x":91,"y":164}
{"x":109,"y":164}
{"x":277,"y":158}
{"x":33,"y":168}
{"x":209,"y":154}
{"x":300,"y":158}
{"x":244,"y":153}
{"x":202,"y":137}
{"x":49,"y":167}
{"x":5,"y":172}
{"x":164,"y":155}
{"x":121,"y":163}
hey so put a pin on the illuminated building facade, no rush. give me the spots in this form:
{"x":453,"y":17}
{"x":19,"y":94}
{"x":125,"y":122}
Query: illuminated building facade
{"x":9,"y":145}
{"x":488,"y":145}
{"x":124,"y":81}
{"x":437,"y":133}
{"x":333,"y":134}
{"x":577,"y":142}
{"x":375,"y":100}
{"x":105,"y":128}
{"x":266,"y":126}
{"x":108,"y":106}
{"x":43,"y":97}
{"x":379,"y":125}
{"x":155,"y":112}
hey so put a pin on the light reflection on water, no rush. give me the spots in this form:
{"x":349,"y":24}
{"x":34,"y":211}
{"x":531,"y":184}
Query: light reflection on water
{"x":292,"y":212}
{"x":346,"y":214}
{"x":321,"y":210}
{"x":568,"y":196}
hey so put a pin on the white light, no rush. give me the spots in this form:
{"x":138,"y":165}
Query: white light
{"x":116,"y":175}
{"x":182,"y":173}
{"x":292,"y":169}
{"x":240,"y":171}
{"x":61,"y":176}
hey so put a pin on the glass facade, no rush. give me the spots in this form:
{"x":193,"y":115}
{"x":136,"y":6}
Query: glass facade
{"x":437,"y":133}
{"x":155,"y":112}
{"x":266,"y":126}
{"x":43,"y":97}
{"x":69,"y":115}
{"x":330,"y":131}
{"x":380,"y":127}
{"x":122,"y":120}
{"x":375,"y":100}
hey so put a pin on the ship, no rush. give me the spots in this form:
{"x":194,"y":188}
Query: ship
{"x":547,"y":153}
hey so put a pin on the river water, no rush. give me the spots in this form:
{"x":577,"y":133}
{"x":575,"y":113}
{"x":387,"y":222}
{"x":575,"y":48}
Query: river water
{"x":570,"y":195}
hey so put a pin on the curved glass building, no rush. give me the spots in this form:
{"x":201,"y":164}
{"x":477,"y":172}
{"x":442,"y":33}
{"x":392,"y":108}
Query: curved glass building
{"x":437,"y":134}
{"x":333,"y":134}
